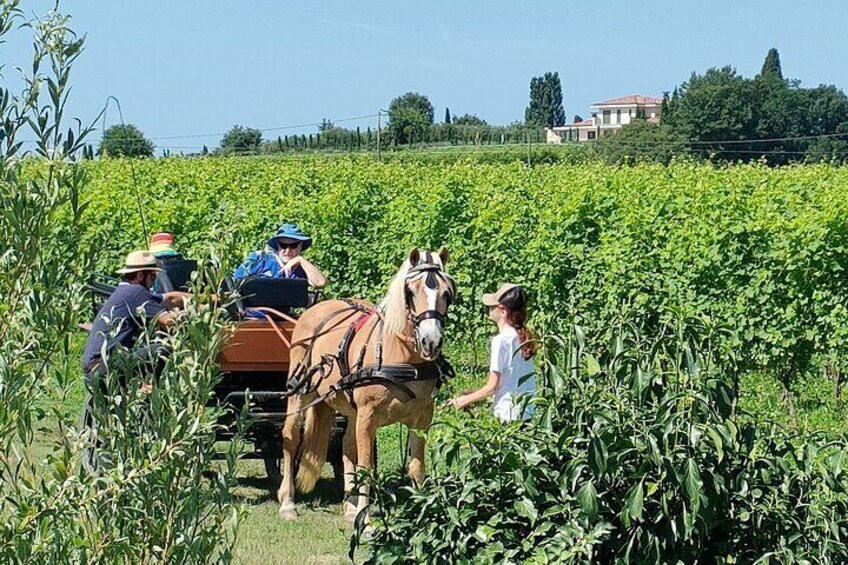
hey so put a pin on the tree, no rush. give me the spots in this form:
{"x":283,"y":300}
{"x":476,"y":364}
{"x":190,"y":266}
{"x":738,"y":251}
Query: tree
{"x":241,"y":140}
{"x":447,"y":116}
{"x":545,"y":107}
{"x":125,"y":141}
{"x":469,"y":120}
{"x":641,"y":140}
{"x":577,"y":118}
{"x":325,"y":125}
{"x":409,"y":116}
{"x":771,"y":66}
{"x":718,"y":106}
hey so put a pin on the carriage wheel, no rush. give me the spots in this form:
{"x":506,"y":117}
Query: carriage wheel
{"x":271,"y":453}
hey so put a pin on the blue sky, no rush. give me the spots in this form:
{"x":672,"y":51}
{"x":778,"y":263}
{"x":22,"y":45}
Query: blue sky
{"x":190,"y":67}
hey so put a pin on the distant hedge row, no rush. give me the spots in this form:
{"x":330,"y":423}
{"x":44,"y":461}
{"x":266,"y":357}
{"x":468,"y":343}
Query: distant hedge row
{"x":762,"y":251}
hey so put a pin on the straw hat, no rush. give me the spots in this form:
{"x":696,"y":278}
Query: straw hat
{"x":494,"y":298}
{"x":140,"y":261}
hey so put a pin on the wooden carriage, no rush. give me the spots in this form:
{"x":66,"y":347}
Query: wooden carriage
{"x":255,"y":361}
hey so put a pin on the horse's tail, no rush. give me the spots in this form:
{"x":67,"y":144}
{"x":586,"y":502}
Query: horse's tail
{"x":316,"y":439}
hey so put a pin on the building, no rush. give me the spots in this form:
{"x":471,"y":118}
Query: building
{"x":607,"y":117}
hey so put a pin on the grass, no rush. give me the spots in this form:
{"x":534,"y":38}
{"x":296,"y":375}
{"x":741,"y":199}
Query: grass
{"x":320,"y":535}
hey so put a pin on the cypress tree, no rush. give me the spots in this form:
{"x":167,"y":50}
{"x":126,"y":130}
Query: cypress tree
{"x":545,"y":107}
{"x":771,"y":65}
{"x":280,"y":143}
{"x":447,"y":116}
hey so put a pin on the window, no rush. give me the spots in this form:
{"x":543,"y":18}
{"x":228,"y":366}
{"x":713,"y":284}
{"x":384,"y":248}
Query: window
{"x":590,"y":135}
{"x":607,"y":114}
{"x":618,"y":116}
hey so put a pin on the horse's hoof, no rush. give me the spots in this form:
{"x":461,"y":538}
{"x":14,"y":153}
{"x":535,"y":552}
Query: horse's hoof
{"x":288,"y":513}
{"x":367,"y":533}
{"x":349,"y":512}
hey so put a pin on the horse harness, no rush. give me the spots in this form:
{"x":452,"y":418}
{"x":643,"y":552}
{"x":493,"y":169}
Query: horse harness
{"x":357,"y":374}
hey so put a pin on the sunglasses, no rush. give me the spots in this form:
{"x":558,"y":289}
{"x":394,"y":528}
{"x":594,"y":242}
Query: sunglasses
{"x":290,"y":245}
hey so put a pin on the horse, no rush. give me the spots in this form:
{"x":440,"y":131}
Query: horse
{"x":376,"y":365}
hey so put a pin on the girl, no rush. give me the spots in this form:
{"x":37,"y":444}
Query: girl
{"x":511,"y":365}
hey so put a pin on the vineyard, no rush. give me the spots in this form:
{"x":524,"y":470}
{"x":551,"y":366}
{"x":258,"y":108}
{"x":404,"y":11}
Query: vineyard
{"x":691,"y":318}
{"x":739,"y":269}
{"x":761,"y":251}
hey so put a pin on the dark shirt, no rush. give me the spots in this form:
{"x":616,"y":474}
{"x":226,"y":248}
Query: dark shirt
{"x":128,"y":310}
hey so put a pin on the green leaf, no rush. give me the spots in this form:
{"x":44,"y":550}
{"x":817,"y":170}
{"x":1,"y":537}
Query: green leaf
{"x":717,"y":441}
{"x":587,"y":496}
{"x":598,"y":455}
{"x":592,"y":365}
{"x":692,"y":483}
{"x":483,"y":533}
{"x":525,"y":508}
{"x":633,"y":502}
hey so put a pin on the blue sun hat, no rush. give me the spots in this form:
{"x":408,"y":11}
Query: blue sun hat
{"x":290,"y":231}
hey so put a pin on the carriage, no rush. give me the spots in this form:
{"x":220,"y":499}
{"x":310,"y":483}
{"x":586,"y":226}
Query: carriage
{"x":255,"y":361}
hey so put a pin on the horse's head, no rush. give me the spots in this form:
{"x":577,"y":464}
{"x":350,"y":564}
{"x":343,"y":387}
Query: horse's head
{"x":428,"y":293}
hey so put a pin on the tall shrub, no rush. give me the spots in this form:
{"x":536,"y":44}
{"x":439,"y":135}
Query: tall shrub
{"x":153,"y":502}
{"x":634,"y":456}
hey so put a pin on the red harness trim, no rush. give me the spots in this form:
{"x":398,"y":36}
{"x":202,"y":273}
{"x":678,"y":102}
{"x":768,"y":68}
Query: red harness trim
{"x":362,"y":320}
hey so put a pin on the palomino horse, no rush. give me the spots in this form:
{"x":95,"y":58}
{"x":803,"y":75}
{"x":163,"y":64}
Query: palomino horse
{"x":376,"y":365}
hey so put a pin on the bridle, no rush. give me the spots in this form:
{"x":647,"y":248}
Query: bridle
{"x":434,"y":272}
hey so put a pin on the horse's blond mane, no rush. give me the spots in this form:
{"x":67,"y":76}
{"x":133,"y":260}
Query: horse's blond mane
{"x":394,"y":303}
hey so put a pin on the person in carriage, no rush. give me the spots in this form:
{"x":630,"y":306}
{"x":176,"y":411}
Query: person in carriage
{"x":162,"y":247}
{"x":282,"y":258}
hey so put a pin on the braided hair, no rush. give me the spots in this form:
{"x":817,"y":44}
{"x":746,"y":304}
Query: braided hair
{"x":515,"y":303}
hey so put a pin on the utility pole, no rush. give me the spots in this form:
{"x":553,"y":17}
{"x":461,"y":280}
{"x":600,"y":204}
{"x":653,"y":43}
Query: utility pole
{"x":379,"y":126}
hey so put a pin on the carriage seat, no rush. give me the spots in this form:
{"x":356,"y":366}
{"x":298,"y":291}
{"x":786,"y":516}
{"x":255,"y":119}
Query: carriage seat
{"x":279,"y":294}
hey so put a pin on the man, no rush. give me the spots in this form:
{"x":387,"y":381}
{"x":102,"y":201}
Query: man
{"x":282,"y":259}
{"x":122,"y":319}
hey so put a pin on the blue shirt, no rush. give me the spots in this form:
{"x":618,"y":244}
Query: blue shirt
{"x":265,"y":264}
{"x":127,"y":311}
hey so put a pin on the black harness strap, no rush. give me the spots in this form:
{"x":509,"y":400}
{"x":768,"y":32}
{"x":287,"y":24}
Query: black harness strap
{"x":353,"y":377}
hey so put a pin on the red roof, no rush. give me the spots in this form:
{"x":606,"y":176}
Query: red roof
{"x":632,"y":99}
{"x":588,"y":122}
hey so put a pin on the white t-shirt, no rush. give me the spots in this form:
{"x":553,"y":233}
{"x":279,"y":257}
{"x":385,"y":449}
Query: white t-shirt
{"x":507,"y":359}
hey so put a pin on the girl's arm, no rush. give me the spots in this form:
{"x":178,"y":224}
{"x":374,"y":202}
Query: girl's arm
{"x":481,"y":393}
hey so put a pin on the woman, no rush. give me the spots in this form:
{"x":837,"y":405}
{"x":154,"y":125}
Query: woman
{"x":511,"y":367}
{"x":282,"y":259}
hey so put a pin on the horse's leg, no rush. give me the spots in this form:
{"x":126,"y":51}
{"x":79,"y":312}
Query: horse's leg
{"x":416,"y":456}
{"x":366,"y":431}
{"x":416,"y":446}
{"x":291,"y":442}
{"x":349,"y":460}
